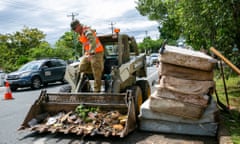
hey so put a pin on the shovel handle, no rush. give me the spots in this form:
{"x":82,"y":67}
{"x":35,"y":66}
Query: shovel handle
{"x":216,"y":52}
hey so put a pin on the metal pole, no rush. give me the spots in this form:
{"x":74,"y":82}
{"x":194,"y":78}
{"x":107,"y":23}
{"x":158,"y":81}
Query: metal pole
{"x":224,"y":83}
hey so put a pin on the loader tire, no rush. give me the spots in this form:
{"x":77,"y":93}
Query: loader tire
{"x":138,"y":99}
{"x":65,"y":89}
{"x":145,"y":87}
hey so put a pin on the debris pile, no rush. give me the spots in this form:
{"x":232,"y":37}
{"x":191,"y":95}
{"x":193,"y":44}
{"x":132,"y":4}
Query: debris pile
{"x":83,"y":121}
{"x":182,"y":102}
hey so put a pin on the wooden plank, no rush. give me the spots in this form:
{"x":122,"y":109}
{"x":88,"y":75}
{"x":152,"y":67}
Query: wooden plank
{"x":228,"y":62}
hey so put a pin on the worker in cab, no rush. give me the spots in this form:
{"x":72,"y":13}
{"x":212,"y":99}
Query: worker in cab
{"x":93,"y":61}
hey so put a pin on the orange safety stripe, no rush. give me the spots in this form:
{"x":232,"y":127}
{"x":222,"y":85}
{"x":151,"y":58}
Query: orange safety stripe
{"x":86,"y":44}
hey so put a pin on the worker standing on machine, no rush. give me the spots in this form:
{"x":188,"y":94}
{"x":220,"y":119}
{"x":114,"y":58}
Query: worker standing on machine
{"x":92,"y":61}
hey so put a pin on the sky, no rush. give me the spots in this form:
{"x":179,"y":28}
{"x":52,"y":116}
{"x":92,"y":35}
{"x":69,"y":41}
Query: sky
{"x":53,"y":17}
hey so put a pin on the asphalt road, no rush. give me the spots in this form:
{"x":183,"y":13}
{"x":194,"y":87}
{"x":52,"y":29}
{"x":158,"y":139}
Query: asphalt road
{"x":13,"y":112}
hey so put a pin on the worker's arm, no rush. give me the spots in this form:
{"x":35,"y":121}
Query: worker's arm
{"x":92,"y":40}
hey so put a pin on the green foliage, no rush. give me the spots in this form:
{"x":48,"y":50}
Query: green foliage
{"x":69,"y":42}
{"x":231,"y":119}
{"x":41,"y":52}
{"x":63,"y":53}
{"x":83,"y":111}
{"x":170,"y":30}
{"x":26,"y":45}
{"x":26,"y":39}
{"x":204,"y":23}
{"x":22,"y":60}
{"x":148,"y":45}
{"x":165,"y":13}
{"x":154,"y":9}
{"x":16,"y":47}
{"x":235,"y":58}
{"x":152,"y":46}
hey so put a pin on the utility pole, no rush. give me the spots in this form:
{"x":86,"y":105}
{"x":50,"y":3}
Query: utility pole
{"x":74,"y":36}
{"x":112,"y":26}
{"x":146,"y":33}
{"x":72,"y":15}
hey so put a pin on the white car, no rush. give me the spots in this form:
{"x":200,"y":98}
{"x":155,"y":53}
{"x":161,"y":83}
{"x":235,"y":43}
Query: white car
{"x":154,"y":58}
{"x":2,"y":77}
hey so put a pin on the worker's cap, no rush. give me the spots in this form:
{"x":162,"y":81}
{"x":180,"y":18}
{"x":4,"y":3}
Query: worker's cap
{"x":74,"y":24}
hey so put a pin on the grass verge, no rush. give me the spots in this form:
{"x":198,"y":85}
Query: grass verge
{"x":231,"y":119}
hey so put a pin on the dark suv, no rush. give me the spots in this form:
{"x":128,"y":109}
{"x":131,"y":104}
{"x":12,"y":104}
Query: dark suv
{"x":37,"y":73}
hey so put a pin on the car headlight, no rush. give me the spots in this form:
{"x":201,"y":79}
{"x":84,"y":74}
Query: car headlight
{"x":24,"y":74}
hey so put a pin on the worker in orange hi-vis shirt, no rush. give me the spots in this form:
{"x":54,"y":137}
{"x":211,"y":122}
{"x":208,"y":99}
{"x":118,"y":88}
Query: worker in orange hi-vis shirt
{"x":92,"y":61}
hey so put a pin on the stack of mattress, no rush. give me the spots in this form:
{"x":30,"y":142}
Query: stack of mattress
{"x":182,"y":102}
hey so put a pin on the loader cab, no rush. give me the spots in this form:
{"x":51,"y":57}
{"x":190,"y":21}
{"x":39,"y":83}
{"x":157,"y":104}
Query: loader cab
{"x":120,"y":52}
{"x":110,"y":56}
{"x":117,"y":50}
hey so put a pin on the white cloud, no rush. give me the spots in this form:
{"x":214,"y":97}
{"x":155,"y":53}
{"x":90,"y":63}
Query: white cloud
{"x":2,"y":6}
{"x":52,"y":17}
{"x":106,"y":9}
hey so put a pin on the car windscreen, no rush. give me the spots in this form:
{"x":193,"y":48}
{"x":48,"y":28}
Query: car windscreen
{"x":30,"y":66}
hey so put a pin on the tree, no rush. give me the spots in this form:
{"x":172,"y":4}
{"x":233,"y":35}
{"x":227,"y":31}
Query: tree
{"x":148,"y":45}
{"x":165,"y":13}
{"x":69,"y":42}
{"x":204,"y":23}
{"x":27,"y":39}
{"x":17,"y":46}
{"x":154,"y":9}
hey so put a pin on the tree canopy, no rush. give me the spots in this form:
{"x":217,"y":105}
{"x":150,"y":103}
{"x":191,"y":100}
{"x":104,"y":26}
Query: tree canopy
{"x":26,"y":45}
{"x":203,"y":23}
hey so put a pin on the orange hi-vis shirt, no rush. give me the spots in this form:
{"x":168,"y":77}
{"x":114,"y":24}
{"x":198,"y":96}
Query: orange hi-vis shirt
{"x":90,"y":41}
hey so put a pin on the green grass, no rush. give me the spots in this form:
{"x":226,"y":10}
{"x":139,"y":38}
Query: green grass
{"x":231,"y":119}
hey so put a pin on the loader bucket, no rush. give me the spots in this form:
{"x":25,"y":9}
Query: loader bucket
{"x":48,"y":105}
